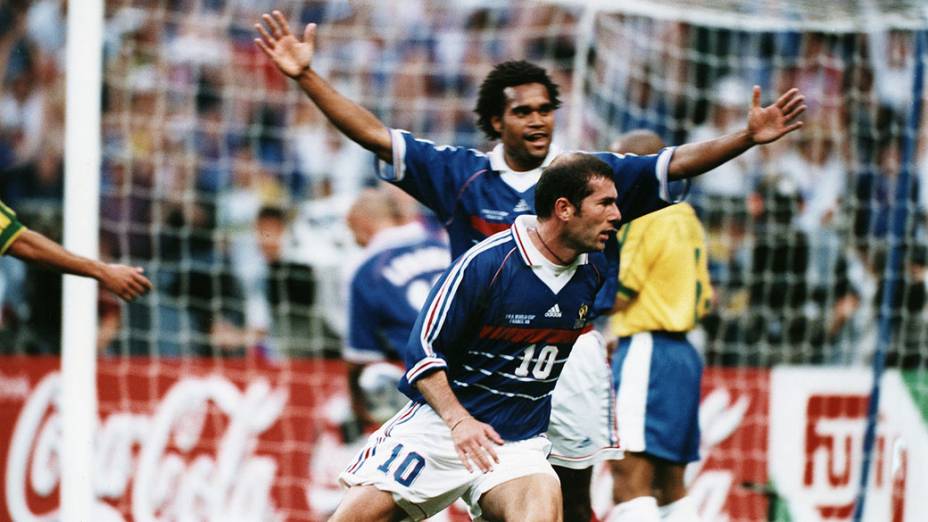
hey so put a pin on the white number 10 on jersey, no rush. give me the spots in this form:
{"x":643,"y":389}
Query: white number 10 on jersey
{"x":544,"y":363}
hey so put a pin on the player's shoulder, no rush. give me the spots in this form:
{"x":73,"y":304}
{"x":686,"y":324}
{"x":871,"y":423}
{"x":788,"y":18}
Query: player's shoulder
{"x":671,"y":215}
{"x":616,"y":159}
{"x":454,"y":150}
{"x":489,"y":253}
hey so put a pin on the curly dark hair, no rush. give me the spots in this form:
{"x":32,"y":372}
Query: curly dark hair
{"x":491,"y":100}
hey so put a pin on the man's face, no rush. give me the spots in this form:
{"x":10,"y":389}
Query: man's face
{"x":526,"y":125}
{"x":270,"y":237}
{"x":597,"y":218}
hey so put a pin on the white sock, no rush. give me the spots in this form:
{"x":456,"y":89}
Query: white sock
{"x":682,"y":510}
{"x":641,"y":509}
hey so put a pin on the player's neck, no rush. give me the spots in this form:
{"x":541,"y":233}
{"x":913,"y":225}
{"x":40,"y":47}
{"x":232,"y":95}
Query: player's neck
{"x":521,"y":164}
{"x":547,"y":241}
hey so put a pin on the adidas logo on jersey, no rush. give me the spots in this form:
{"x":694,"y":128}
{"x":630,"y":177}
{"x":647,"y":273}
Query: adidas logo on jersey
{"x":554,"y":311}
{"x":521,"y":206}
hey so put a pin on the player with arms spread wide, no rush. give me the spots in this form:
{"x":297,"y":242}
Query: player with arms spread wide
{"x":476,"y":194}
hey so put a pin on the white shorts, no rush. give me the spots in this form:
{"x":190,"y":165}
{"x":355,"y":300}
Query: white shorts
{"x":412,"y":456}
{"x":583,"y":429}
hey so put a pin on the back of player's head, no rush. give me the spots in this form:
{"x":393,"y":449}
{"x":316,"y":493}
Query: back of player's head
{"x":568,"y":177}
{"x":491,"y":101}
{"x":374,"y":209}
{"x":640,"y":141}
{"x":376,"y":203}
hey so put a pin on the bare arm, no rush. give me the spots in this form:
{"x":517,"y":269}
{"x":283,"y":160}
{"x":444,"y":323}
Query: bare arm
{"x":472,"y":438}
{"x":294,"y":58}
{"x":621,"y":303}
{"x":765,"y":124}
{"x":127,"y":282}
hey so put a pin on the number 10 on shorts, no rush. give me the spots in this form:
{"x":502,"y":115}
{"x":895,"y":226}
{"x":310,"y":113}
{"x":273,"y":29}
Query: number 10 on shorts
{"x":408,"y":469}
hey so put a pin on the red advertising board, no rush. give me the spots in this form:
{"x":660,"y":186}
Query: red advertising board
{"x":240,"y":440}
{"x":731,"y":480}
{"x":176,"y":437}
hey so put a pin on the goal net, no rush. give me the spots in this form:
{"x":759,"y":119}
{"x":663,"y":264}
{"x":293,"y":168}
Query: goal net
{"x":222,"y":393}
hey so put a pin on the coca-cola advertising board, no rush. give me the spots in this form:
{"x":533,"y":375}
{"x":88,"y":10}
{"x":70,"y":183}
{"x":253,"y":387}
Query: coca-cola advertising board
{"x":176,"y":439}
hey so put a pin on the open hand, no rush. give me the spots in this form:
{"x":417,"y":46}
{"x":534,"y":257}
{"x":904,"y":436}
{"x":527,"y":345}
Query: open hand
{"x":474,"y":441}
{"x":766,"y":124}
{"x":127,"y":282}
{"x":291,"y":55}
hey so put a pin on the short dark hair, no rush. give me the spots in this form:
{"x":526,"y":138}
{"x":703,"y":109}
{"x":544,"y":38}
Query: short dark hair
{"x":491,"y":101}
{"x":272,"y":212}
{"x":568,"y":177}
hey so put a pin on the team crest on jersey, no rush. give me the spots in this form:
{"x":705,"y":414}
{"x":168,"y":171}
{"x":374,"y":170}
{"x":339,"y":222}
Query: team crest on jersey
{"x":521,"y":206}
{"x":581,"y":316}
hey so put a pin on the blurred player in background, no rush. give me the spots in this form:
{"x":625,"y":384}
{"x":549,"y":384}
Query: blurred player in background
{"x":476,"y":194}
{"x":387,"y":290}
{"x":664,"y":290}
{"x":127,"y":282}
{"x":483,"y":360}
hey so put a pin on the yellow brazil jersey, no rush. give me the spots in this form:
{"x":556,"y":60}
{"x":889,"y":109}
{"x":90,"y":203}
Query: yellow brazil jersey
{"x":663,"y":271}
{"x":10,"y":227}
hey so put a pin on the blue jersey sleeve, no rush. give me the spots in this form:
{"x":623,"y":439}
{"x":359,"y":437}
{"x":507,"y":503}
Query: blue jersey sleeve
{"x":641,"y":181}
{"x":451,"y":311}
{"x":433,"y":174}
{"x":363,"y":321}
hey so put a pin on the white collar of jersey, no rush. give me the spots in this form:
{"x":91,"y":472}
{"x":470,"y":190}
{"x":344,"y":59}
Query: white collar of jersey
{"x":530,"y":254}
{"x":393,"y":236}
{"x":498,"y":159}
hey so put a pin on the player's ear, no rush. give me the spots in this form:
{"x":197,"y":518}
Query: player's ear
{"x":563,"y":209}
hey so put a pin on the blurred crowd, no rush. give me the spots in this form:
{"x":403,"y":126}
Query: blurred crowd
{"x":231,"y":190}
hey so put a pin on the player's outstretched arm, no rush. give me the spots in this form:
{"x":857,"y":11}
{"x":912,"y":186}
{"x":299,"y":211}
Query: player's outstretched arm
{"x":127,"y":282}
{"x":294,"y":58}
{"x":473,"y":439}
{"x":765,"y":124}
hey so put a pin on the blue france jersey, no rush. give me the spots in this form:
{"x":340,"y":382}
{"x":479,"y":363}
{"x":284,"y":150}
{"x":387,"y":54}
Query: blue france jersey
{"x":466,"y":189}
{"x":501,"y":322}
{"x":387,"y":291}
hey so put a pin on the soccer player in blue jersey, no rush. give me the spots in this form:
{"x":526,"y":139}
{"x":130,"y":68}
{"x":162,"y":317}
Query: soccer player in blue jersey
{"x":399,"y":265}
{"x":483,"y":360}
{"x":127,"y":282}
{"x":476,"y":194}
{"x":664,"y":289}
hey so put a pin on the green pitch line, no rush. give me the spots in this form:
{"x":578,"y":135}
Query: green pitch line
{"x":917,"y":383}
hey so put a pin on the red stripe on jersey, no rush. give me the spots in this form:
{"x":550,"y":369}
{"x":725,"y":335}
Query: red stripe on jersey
{"x":532,"y":335}
{"x":487,"y":228}
{"x":427,"y":329}
{"x":416,"y":372}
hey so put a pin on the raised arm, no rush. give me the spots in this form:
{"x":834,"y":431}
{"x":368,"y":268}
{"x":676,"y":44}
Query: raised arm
{"x":127,"y":282}
{"x":765,"y":124}
{"x":294,"y":58}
